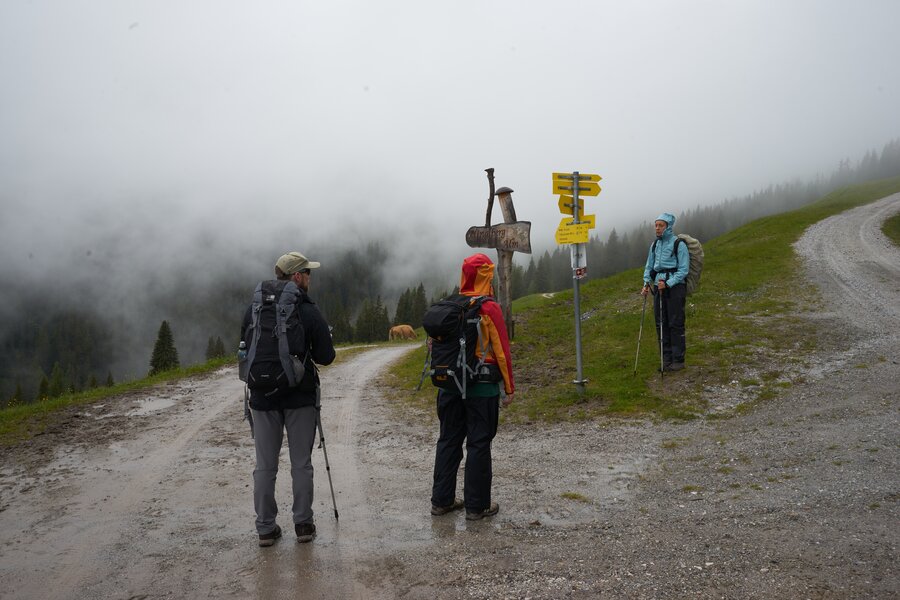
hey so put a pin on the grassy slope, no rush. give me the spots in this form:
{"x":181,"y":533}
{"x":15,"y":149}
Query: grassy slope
{"x":742,"y":324}
{"x":891,"y":228}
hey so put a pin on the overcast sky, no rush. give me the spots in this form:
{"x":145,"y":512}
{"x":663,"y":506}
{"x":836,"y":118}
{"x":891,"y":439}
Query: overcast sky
{"x":149,"y":121}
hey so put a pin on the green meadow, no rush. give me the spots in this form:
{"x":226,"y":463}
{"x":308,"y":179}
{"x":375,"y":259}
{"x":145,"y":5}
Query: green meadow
{"x":745,"y":328}
{"x":891,"y":229}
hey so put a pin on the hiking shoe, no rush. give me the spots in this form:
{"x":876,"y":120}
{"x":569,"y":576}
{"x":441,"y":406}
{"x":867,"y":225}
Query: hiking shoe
{"x":306,"y":532}
{"x":490,"y":511}
{"x":443,"y":510}
{"x":267,"y":539}
{"x":675,"y":366}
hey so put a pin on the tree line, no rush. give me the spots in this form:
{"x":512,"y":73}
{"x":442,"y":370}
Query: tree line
{"x":49,"y":350}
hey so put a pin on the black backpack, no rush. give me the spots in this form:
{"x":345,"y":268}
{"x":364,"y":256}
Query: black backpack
{"x":453,"y":326}
{"x":276,"y":354}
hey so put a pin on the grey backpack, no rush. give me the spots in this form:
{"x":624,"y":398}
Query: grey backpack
{"x":276,"y":346}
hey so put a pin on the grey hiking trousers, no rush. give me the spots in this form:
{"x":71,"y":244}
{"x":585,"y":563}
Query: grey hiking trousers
{"x":269,"y":427}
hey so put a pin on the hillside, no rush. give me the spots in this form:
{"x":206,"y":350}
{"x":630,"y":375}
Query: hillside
{"x":746,"y":341}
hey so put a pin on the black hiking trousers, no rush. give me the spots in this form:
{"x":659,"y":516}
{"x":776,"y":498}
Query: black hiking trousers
{"x":475,"y":421}
{"x":672,"y":327}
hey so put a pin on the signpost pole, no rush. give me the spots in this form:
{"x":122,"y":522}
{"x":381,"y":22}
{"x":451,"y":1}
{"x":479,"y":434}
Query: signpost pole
{"x":576,"y":249}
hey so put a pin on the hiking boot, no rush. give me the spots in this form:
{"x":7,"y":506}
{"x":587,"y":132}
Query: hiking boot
{"x":267,"y":539}
{"x":306,"y":532}
{"x":490,"y":511}
{"x":443,"y":510}
{"x":675,"y":366}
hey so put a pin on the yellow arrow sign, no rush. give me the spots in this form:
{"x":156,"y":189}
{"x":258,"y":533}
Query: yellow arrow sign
{"x":570,"y":233}
{"x":571,"y":176}
{"x":584,"y":189}
{"x":567,"y":206}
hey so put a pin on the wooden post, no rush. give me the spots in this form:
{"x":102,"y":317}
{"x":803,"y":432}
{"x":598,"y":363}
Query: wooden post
{"x":507,"y":237}
{"x":505,"y":258}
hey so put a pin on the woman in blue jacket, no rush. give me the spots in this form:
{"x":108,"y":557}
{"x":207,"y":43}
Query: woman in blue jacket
{"x":668,"y":263}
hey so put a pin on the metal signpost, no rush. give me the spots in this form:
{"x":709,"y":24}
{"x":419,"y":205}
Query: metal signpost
{"x":575,"y":231}
{"x":507,"y":237}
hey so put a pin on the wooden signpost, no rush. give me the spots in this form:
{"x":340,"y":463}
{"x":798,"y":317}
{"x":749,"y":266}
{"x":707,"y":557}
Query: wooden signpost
{"x":507,"y":237}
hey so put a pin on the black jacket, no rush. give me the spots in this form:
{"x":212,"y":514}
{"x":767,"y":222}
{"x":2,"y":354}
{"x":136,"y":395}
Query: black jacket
{"x":320,"y":351}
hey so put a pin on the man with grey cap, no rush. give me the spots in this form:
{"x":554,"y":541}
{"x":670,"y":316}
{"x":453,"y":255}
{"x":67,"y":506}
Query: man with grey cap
{"x":290,"y":409}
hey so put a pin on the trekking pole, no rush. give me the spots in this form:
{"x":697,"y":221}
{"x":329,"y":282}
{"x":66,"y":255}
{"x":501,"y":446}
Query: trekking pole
{"x":425,"y":366}
{"x":640,"y":333}
{"x":324,"y":450}
{"x":659,"y":330}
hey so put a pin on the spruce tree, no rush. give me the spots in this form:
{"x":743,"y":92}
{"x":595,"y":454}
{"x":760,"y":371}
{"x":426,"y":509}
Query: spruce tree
{"x":365,"y":327}
{"x":418,"y":306}
{"x":165,"y":356}
{"x":109,"y":379}
{"x":220,"y":348}
{"x":43,"y":388}
{"x":382,"y":322}
{"x":210,"y":348}
{"x":404,"y":307}
{"x":93,"y":381}
{"x":57,"y":386}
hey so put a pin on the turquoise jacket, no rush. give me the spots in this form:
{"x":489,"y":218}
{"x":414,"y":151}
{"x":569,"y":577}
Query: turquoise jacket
{"x":661,"y":259}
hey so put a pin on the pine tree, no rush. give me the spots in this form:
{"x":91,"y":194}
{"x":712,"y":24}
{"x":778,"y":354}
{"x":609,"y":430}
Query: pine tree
{"x":109,"y":379}
{"x":402,"y":314}
{"x":43,"y":388}
{"x":364,"y":328}
{"x":382,"y":321}
{"x":165,"y":356}
{"x":93,"y":382}
{"x":418,"y":306}
{"x":16,"y":398}
{"x":57,"y":386}
{"x":210,"y":348}
{"x":220,"y":347}
{"x":342,"y":330}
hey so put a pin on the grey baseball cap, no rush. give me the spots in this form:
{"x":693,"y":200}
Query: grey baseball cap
{"x":292,"y":262}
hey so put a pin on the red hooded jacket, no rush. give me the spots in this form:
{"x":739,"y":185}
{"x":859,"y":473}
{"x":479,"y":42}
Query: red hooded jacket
{"x":476,"y":279}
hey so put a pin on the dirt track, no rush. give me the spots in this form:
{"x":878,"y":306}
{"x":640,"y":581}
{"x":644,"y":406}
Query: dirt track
{"x":148,"y":496}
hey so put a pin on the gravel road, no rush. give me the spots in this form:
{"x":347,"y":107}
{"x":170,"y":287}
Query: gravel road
{"x":148,"y":495}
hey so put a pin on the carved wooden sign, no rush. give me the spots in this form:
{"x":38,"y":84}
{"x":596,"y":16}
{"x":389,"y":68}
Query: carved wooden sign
{"x":512,"y":237}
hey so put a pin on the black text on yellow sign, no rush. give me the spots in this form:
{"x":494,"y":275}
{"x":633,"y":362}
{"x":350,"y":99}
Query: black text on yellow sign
{"x":564,"y":183}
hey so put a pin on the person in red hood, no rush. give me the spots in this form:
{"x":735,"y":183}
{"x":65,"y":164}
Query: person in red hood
{"x":473,"y":418}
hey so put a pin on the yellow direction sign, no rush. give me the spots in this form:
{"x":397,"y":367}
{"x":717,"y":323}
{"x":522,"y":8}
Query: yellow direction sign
{"x":589,"y":219}
{"x":581,"y":177}
{"x":567,"y":206}
{"x":588,"y":188}
{"x":570,"y":233}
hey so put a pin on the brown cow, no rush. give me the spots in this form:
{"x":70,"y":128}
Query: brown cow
{"x":402,"y":332}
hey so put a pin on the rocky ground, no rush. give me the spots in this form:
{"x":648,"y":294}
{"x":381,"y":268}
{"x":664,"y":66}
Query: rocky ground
{"x":148,"y":496}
